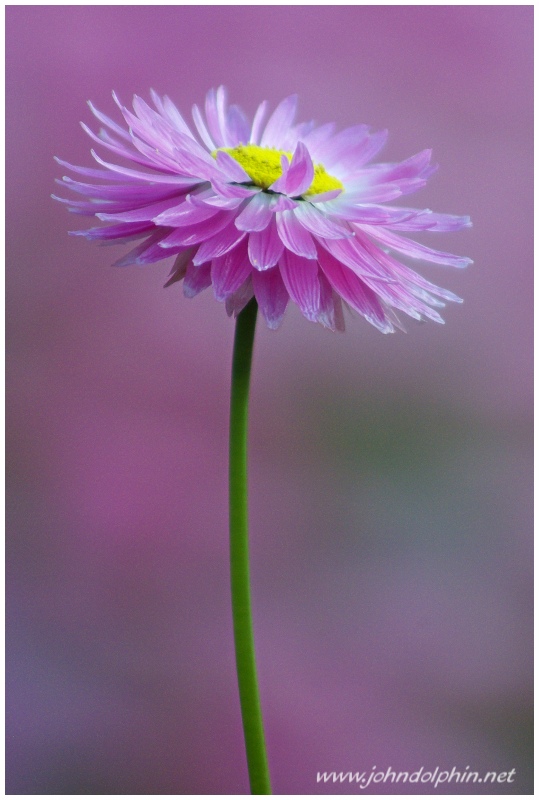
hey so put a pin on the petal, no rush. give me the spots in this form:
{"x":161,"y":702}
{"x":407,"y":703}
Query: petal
{"x":258,"y":121}
{"x":179,"y":268}
{"x":199,"y":232}
{"x":238,"y":126}
{"x":233,"y":190}
{"x":177,"y":180}
{"x":135,"y":256}
{"x":148,"y":212}
{"x":280,"y":122}
{"x":115,"y":232}
{"x":338,"y":146}
{"x":330,"y":313}
{"x":320,"y":224}
{"x":219,"y":244}
{"x":185,"y":213}
{"x":232,"y":170}
{"x":108,"y":122}
{"x":212,"y":118}
{"x":363,"y":153}
{"x":257,"y":213}
{"x":202,"y":130}
{"x":414,"y":249}
{"x":265,"y":247}
{"x":209,"y":197}
{"x":294,"y":236}
{"x":87,"y":172}
{"x":300,"y":174}
{"x":428,"y":220}
{"x":196,"y":279}
{"x":271,"y":295}
{"x":300,"y":276}
{"x":355,"y":292}
{"x":236,"y":302}
{"x":230,"y":271}
{"x":317,"y":138}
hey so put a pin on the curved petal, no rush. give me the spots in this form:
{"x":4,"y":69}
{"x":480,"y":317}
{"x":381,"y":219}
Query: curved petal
{"x":238,"y":126}
{"x":257,"y":213}
{"x":294,"y":236}
{"x":265,"y":247}
{"x":300,"y":173}
{"x":300,"y":276}
{"x":280,"y":122}
{"x":219,"y":244}
{"x":232,"y":170}
{"x":199,"y":232}
{"x":271,"y":295}
{"x":355,"y":292}
{"x":230,"y":271}
{"x":415,"y":250}
{"x":202,"y":129}
{"x":320,"y":224}
{"x":258,"y":121}
{"x":196,"y":279}
{"x":236,"y":302}
{"x":179,"y":268}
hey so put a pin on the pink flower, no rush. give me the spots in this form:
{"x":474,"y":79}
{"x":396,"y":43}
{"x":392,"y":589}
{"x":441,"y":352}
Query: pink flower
{"x":271,"y":208}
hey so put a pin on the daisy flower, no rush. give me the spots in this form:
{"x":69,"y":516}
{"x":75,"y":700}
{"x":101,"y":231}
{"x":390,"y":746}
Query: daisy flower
{"x":269,"y":208}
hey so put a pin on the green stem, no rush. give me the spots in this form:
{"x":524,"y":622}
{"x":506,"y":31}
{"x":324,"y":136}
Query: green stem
{"x":251,"y":713}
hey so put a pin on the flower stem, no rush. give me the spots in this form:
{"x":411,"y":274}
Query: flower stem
{"x":251,"y":713}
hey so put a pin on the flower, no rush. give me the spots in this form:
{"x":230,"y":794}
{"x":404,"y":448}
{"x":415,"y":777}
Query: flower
{"x":272,"y":209}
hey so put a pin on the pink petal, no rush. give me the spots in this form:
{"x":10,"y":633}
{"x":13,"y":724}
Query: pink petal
{"x":232,"y":170}
{"x":116,"y":232}
{"x":265,"y":247}
{"x":364,"y":152}
{"x":203,"y":131}
{"x":196,"y":279}
{"x":280,"y":122}
{"x":294,"y":236}
{"x":209,"y":198}
{"x":300,"y":173}
{"x":179,"y":268}
{"x":230,"y":271}
{"x":233,"y":190}
{"x":330,"y":313}
{"x":219,"y":244}
{"x":317,"y":138}
{"x":334,"y":149}
{"x":148,"y":212}
{"x":414,"y":249}
{"x":238,"y":126}
{"x":428,"y":220}
{"x":320,"y":224}
{"x":212,"y":118}
{"x":355,"y":292}
{"x":257,"y":213}
{"x":258,"y":121}
{"x":177,"y":180}
{"x":300,"y":276}
{"x":271,"y":295}
{"x":199,"y":232}
{"x":236,"y":302}
{"x":134,"y":256}
{"x":109,"y":122}
{"x":185,"y":213}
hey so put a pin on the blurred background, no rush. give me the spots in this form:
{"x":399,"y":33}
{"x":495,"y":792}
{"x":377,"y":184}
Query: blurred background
{"x":390,"y":475}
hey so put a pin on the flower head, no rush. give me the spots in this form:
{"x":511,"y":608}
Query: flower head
{"x":277,"y":210}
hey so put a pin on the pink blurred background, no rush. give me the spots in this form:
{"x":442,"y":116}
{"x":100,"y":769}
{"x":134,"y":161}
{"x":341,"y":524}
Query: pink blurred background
{"x":390,"y":475}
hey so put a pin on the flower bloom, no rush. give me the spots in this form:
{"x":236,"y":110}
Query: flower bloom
{"x":272,"y":209}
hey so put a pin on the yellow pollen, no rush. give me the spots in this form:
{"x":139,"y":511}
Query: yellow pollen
{"x":263,"y":165}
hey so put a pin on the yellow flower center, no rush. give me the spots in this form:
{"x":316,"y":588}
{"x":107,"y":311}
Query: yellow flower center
{"x":263,"y":165}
